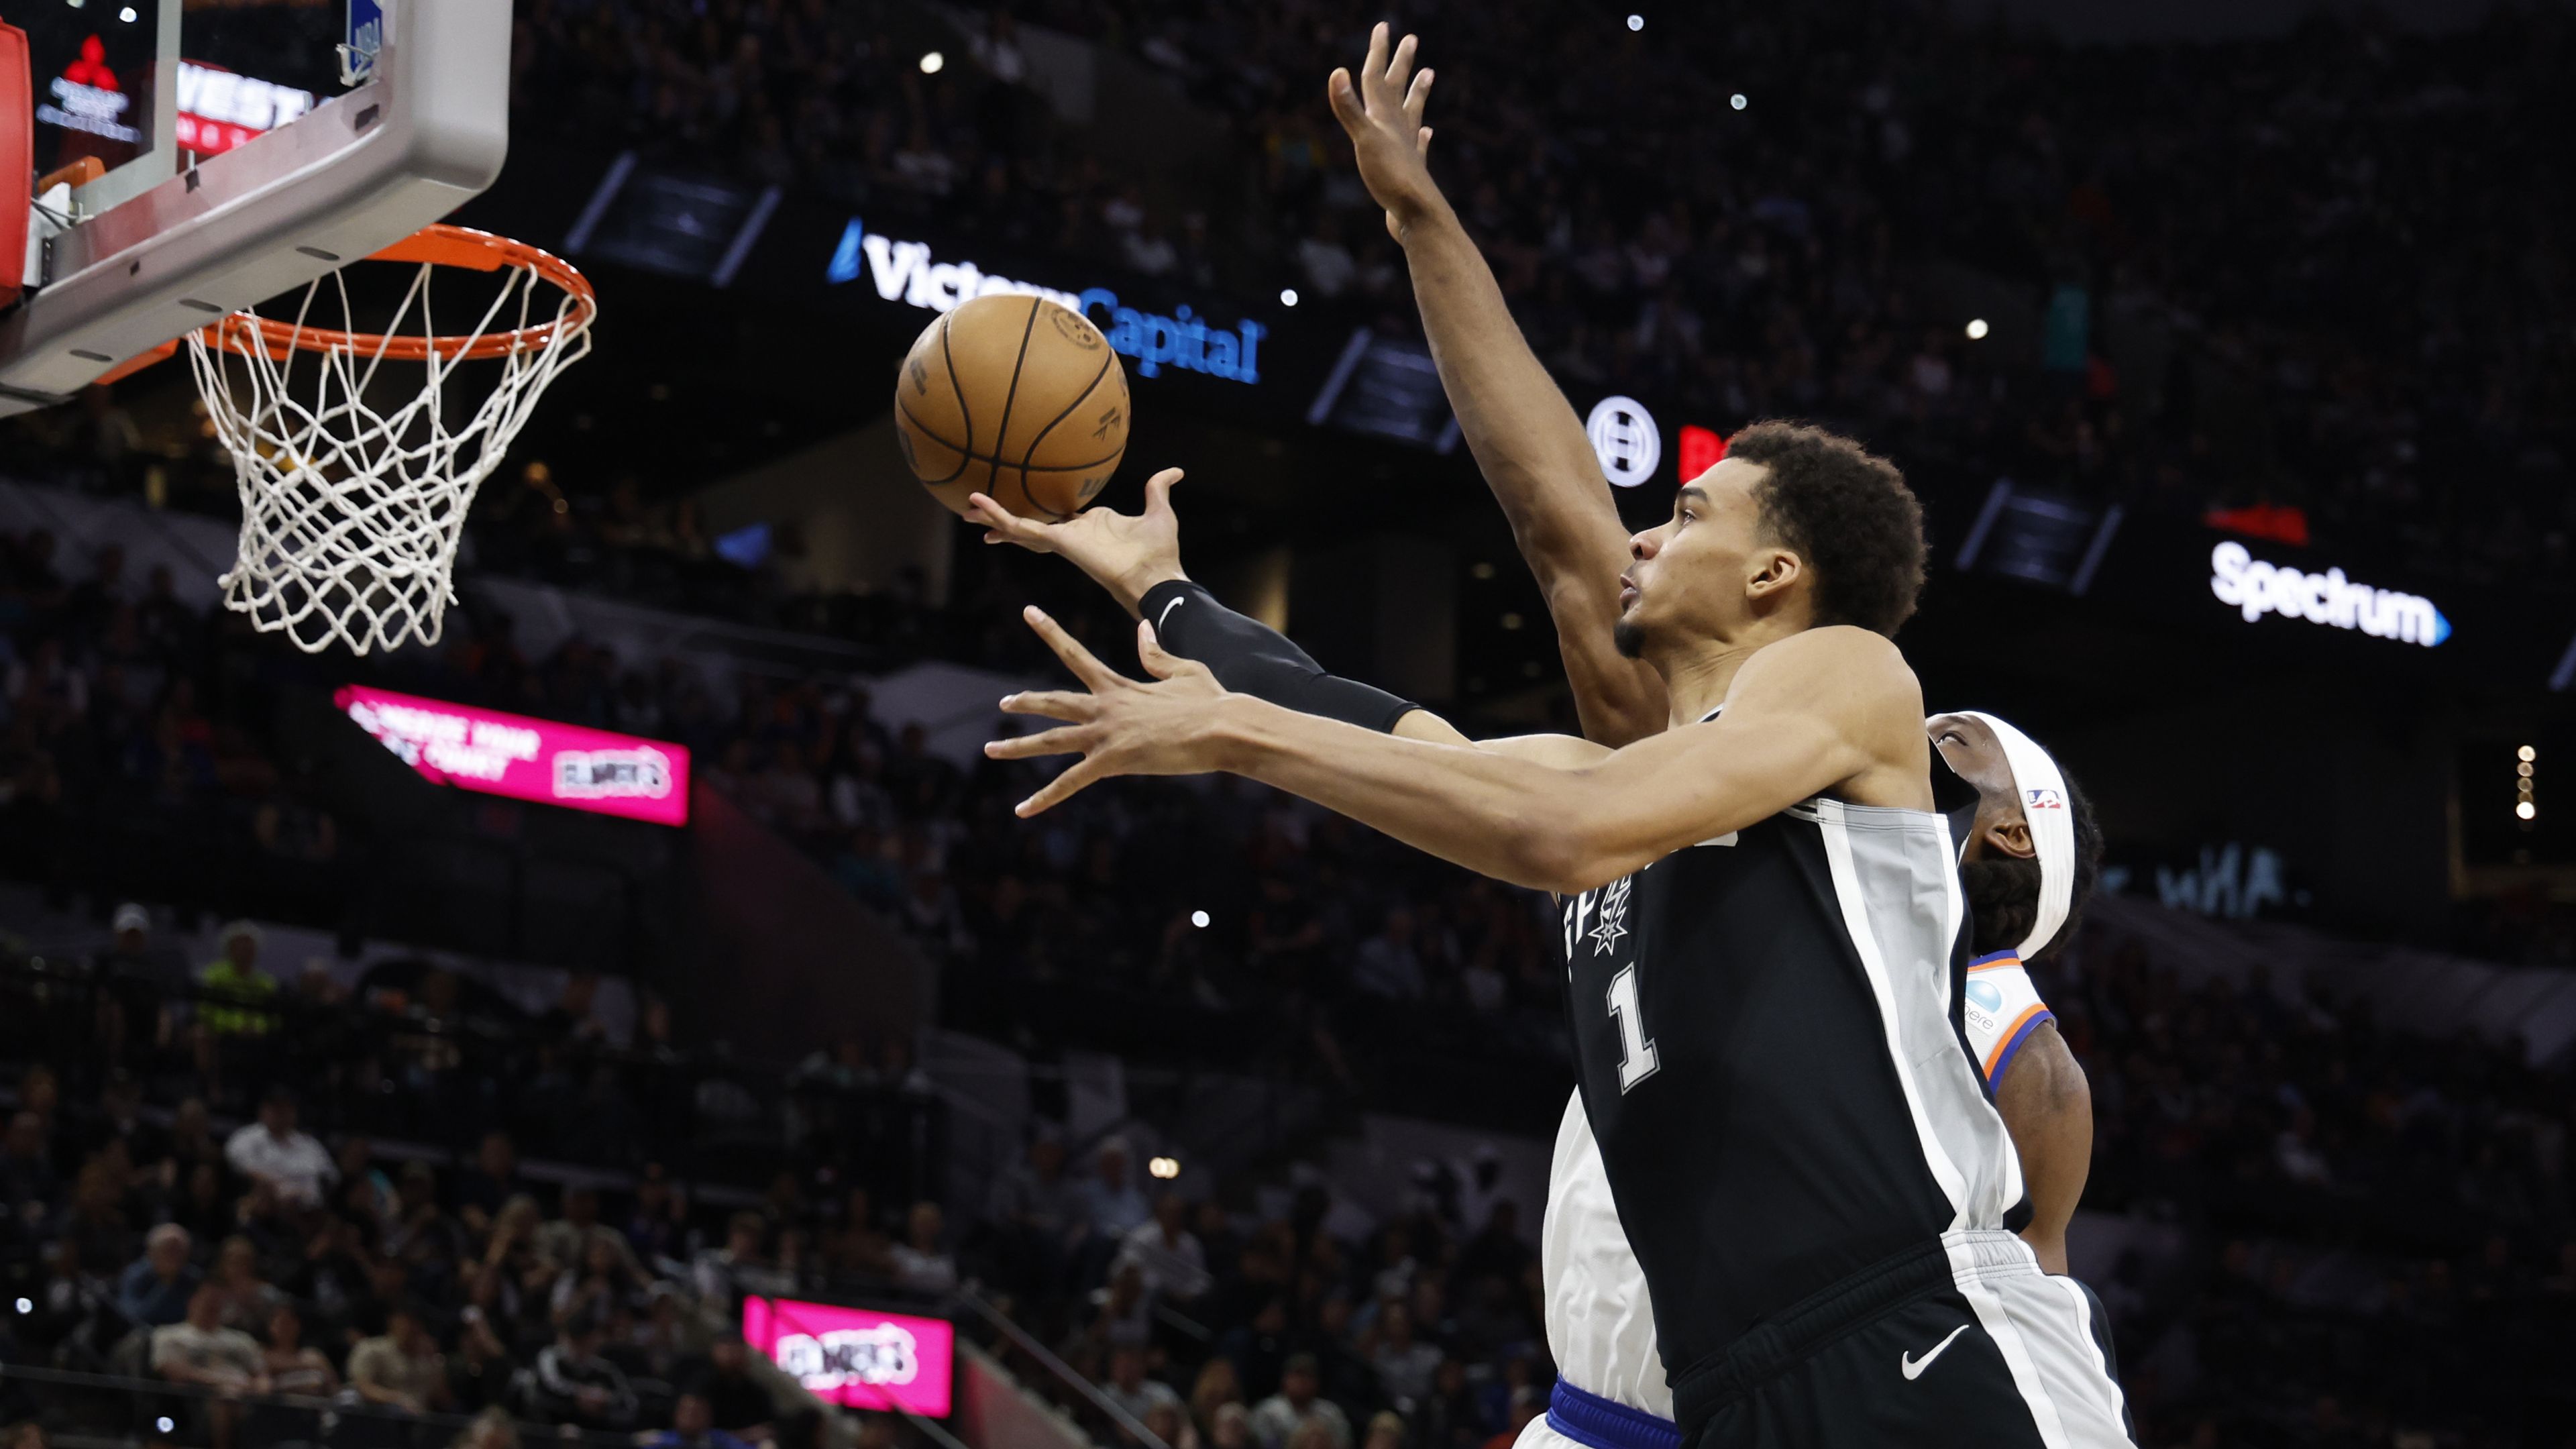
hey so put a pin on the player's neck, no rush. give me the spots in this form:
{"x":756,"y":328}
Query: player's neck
{"x":1696,"y":679}
{"x":1698,"y":673}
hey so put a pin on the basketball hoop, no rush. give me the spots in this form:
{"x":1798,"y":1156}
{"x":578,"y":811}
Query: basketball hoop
{"x":352,"y":508}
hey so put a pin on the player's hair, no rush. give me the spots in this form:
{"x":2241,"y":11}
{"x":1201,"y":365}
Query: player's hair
{"x":2003,"y":890}
{"x":1849,"y":515}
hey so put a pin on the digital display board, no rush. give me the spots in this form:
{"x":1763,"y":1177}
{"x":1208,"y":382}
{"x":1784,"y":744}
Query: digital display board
{"x":527,"y":759}
{"x":856,"y":1357}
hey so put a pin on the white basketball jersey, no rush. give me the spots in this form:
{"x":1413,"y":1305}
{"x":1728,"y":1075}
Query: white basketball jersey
{"x":1600,"y":1323}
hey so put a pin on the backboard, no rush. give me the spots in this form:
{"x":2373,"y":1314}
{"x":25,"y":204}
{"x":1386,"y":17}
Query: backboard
{"x":247,"y":146}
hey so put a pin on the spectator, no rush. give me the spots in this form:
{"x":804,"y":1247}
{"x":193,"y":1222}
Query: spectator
{"x":293,"y":1366}
{"x":249,"y":1303}
{"x":157,"y":1289}
{"x":693,"y":1427}
{"x":27,"y":1179}
{"x":490,"y":1429}
{"x":482,"y":1190}
{"x":1386,"y":964}
{"x":739,"y":1267}
{"x":736,"y":1403}
{"x":274,"y":1152}
{"x":1385,"y":1431}
{"x":1529,"y":1401}
{"x":1111,"y":1202}
{"x":1231,"y":1428}
{"x":198,"y":1350}
{"x":575,"y":1384}
{"x":235,"y":985}
{"x":1404,"y":1365}
{"x":1128,"y":1387}
{"x":920,"y":1263}
{"x":1165,"y":1252}
{"x":1278,"y":1419}
{"x":402,"y":1367}
{"x":1218,"y":1387}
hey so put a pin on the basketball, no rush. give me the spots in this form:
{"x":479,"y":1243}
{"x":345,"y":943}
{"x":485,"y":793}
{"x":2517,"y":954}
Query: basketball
{"x":1017,"y":397}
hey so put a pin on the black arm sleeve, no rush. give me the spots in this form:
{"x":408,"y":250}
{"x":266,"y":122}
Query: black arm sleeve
{"x":1249,"y":657}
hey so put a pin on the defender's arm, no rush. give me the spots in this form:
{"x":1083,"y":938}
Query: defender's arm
{"x":2048,"y":1108}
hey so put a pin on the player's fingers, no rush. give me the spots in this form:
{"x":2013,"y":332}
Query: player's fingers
{"x":1345,"y":100}
{"x":1094,"y":674}
{"x":1070,"y":740}
{"x":1399,"y":69}
{"x":1002,"y":521}
{"x":1062,"y":704}
{"x":1422,"y":141}
{"x":1375,"y":65}
{"x":1417,"y":95}
{"x":1060,"y":789}
{"x":1158,"y":490}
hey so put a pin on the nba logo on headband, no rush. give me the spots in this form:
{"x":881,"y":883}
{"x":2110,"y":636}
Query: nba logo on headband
{"x":2042,"y":787}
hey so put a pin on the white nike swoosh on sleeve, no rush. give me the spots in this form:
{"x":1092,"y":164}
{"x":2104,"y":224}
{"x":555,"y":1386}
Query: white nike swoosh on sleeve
{"x":1177,"y":601}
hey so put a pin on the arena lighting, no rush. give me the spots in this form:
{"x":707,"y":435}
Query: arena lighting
{"x":26,"y":1305}
{"x":2525,"y":810}
{"x":1636,"y":22}
{"x":1165,"y":1168}
{"x":932,"y":62}
{"x":165,"y":1423}
{"x":1736,"y":100}
{"x":1287,"y":296}
{"x":1976,"y":329}
{"x":1199,"y":919}
{"x":2526,"y":754}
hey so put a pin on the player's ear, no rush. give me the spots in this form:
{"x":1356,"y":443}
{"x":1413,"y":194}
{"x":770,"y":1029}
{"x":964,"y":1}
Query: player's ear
{"x":1774,"y":570}
{"x":2012,"y":837}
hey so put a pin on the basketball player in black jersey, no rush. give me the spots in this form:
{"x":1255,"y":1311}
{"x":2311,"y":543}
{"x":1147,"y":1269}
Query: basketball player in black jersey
{"x":1760,"y":908}
{"x":1532,"y":451}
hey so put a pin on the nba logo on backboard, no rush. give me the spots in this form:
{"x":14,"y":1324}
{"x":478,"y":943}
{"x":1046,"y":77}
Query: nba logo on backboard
{"x":2045,"y":799}
{"x":366,"y":39}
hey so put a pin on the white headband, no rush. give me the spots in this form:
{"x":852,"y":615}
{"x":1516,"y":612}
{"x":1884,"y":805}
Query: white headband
{"x":2051,"y":816}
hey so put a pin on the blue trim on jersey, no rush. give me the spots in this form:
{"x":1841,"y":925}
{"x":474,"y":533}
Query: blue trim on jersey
{"x":2003,"y":1062}
{"x":1993,"y":956}
{"x":1606,"y":1423}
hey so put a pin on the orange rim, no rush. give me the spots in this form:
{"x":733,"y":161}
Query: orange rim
{"x":436,"y":245}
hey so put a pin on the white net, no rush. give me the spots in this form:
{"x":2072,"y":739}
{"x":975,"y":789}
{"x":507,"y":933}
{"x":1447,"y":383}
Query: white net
{"x":358,"y":460}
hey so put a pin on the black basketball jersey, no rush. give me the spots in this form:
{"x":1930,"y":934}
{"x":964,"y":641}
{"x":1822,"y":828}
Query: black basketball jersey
{"x":1765,"y":1034}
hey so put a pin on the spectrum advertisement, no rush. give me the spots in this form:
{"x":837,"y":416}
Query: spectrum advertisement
{"x":526,"y":759}
{"x":856,"y":1357}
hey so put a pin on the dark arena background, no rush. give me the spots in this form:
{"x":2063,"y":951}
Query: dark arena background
{"x":822,"y":1102}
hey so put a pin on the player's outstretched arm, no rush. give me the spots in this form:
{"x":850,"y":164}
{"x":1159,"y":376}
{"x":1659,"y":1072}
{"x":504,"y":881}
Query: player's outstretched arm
{"x":1829,"y":711}
{"x":2047,"y":1107}
{"x":1518,"y":424}
{"x":1137,"y":558}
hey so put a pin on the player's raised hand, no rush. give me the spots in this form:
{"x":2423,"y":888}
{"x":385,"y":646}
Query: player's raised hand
{"x":1125,"y":553}
{"x":1118,"y":725}
{"x":1381,"y":110}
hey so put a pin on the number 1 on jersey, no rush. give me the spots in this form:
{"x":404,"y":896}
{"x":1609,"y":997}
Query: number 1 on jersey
{"x":1637,"y":1059}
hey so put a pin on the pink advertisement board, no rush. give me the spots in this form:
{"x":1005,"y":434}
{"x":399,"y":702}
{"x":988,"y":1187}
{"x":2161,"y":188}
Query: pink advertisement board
{"x":527,"y":759}
{"x":856,"y":1357}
